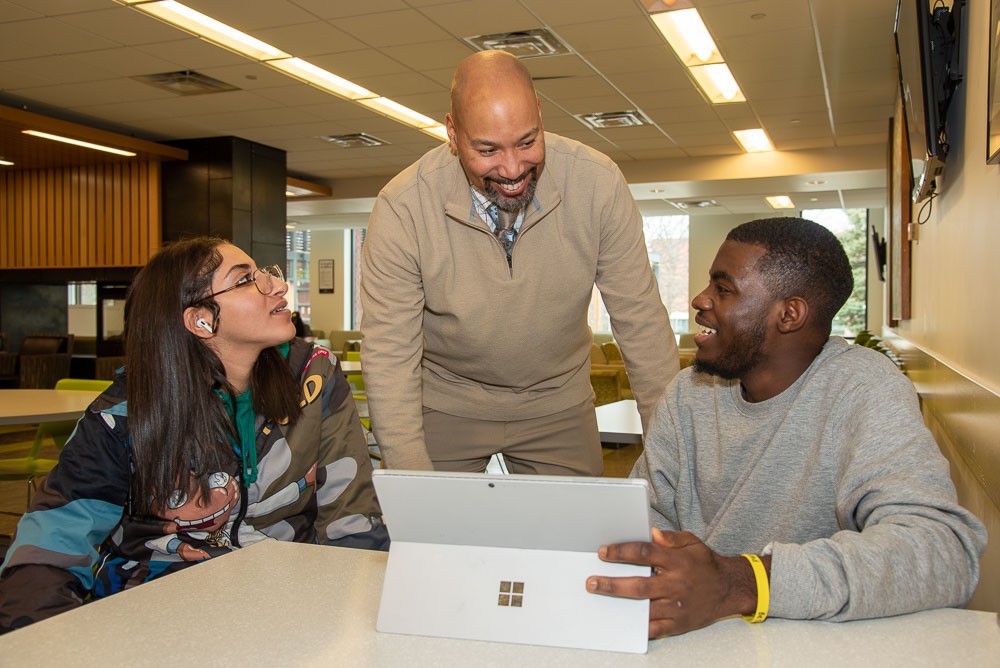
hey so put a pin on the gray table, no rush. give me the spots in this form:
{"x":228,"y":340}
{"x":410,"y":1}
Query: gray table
{"x":619,"y":422}
{"x":284,"y":604}
{"x":33,"y":406}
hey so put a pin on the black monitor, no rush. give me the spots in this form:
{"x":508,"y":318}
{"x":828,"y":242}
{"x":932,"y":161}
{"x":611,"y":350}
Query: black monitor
{"x":927,"y":56}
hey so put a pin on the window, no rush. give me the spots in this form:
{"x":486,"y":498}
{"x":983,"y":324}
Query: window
{"x":297,"y":247}
{"x":667,"y":242}
{"x":850,"y":226}
{"x":81,"y":294}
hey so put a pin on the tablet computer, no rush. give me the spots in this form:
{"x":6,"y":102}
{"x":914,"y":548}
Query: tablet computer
{"x":506,"y":558}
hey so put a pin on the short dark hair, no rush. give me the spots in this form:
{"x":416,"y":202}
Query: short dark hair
{"x":802,"y":258}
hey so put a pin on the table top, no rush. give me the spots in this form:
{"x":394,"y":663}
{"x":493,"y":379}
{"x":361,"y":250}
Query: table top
{"x":619,"y":422}
{"x":286,"y":604}
{"x":32,"y":406}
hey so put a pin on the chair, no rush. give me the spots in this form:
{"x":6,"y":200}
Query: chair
{"x":27,"y":468}
{"x":44,"y":359}
{"x":105,"y":367}
{"x":612,"y":352}
{"x":606,"y":383}
{"x":8,"y":362}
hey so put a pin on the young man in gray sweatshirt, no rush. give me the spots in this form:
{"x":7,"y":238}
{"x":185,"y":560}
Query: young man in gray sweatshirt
{"x":791,"y":474}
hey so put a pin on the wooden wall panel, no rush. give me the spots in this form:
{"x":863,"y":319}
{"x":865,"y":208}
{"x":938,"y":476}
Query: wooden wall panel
{"x":104,"y":215}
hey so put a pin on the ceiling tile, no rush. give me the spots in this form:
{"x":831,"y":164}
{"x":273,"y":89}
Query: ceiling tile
{"x":249,"y":16}
{"x":325,"y":9}
{"x":473,"y":18}
{"x":392,"y":28}
{"x":46,"y":37}
{"x":309,"y":39}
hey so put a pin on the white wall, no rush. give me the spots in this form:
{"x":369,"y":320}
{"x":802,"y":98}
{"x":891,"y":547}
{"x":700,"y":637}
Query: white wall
{"x":328,"y":309}
{"x":954,"y":302}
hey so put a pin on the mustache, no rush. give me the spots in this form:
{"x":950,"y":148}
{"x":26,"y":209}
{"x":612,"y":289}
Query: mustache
{"x":499,"y":179}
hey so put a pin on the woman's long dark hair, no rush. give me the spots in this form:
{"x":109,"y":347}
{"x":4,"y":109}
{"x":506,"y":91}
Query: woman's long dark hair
{"x":177,"y":424}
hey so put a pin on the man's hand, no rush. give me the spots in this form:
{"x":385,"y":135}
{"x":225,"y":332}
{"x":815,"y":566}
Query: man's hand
{"x":691,"y":586}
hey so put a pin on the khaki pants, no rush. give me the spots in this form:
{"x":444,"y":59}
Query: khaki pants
{"x":565,"y":443}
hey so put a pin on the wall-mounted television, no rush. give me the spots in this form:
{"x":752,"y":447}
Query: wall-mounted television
{"x":927,"y":37}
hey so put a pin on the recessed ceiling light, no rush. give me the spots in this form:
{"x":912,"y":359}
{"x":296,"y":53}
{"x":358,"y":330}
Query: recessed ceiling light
{"x":754,"y":140}
{"x":6,"y":163}
{"x":687,"y":35}
{"x":694,"y":203}
{"x":718,"y":83}
{"x":816,"y":182}
{"x":780,"y":202}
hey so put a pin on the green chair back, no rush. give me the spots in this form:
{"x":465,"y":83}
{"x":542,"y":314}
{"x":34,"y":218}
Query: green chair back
{"x":82,"y":384}
{"x":352,"y":355}
{"x":31,"y":466}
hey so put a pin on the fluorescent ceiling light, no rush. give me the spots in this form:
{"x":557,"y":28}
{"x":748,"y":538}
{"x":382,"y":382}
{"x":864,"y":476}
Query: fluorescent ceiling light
{"x":780,"y":202}
{"x":437,"y":131}
{"x":317,"y":76}
{"x":687,"y":35}
{"x":396,"y":111}
{"x":718,"y":83}
{"x":6,"y":163}
{"x":228,"y":37}
{"x":77,"y":142}
{"x":208,"y":28}
{"x":754,"y":141}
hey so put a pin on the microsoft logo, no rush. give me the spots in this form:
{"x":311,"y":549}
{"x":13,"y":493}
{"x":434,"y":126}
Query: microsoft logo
{"x":511,"y":594}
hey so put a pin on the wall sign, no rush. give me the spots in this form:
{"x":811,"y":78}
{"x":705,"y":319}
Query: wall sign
{"x":325,"y":276}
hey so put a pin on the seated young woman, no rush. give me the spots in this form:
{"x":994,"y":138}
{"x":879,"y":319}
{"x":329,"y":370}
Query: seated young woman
{"x":222,"y":431}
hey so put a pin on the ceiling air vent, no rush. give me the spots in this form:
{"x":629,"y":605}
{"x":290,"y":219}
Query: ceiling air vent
{"x":356,"y":140}
{"x":186,"y":82}
{"x":613,"y":119}
{"x":523,"y":44}
{"x":694,"y":203}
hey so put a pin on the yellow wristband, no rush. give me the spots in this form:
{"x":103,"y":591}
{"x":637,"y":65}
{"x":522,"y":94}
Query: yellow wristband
{"x":763,"y":590}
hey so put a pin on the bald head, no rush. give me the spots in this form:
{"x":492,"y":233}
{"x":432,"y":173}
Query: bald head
{"x":484,"y":76}
{"x":495,"y":128}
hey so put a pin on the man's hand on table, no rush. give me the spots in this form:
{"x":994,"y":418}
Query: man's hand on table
{"x":690,"y":587}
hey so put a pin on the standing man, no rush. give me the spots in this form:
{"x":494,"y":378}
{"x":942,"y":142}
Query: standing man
{"x":791,"y":472}
{"x":479,"y":264}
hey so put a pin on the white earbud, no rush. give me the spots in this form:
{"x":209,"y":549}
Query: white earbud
{"x":201,"y":322}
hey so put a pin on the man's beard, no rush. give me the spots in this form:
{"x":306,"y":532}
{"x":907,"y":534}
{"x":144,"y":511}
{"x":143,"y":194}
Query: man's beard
{"x":512,"y":204}
{"x":742,"y":355}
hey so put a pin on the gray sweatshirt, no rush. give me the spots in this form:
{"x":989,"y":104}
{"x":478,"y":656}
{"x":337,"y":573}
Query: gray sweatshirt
{"x":837,"y":477}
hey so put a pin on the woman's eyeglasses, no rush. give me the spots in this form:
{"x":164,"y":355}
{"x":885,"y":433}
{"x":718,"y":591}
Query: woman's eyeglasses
{"x":263,"y":278}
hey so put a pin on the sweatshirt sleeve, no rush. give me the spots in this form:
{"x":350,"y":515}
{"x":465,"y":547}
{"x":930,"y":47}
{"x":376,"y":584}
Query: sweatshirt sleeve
{"x":49,"y":566}
{"x":392,"y":300}
{"x":658,"y":464}
{"x":905,"y":544}
{"x":639,"y":320}
{"x":348,"y":514}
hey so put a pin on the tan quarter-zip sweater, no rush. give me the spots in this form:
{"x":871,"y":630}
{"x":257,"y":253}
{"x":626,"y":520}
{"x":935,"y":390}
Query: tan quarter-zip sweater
{"x":447,"y":324}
